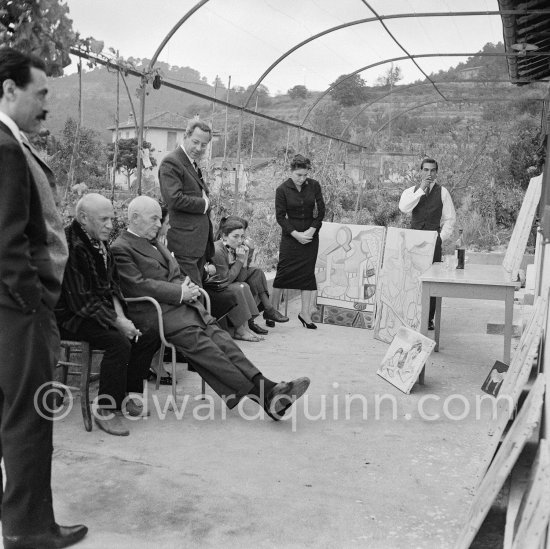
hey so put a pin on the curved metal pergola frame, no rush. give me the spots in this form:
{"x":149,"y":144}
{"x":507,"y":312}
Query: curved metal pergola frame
{"x":380,"y":19}
{"x":377,"y":18}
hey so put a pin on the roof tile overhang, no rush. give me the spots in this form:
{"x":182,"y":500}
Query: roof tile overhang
{"x":529,"y":28}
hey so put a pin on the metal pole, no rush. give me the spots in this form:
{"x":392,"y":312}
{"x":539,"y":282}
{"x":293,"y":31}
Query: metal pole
{"x":287,"y":143}
{"x":117,"y":120}
{"x":391,"y":101}
{"x":74,"y":152}
{"x":140,"y":132}
{"x":212,"y":117}
{"x":225,"y":131}
{"x":253,"y":132}
{"x":238,"y":161}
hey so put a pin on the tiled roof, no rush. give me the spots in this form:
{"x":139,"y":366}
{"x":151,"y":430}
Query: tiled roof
{"x":164,"y":119}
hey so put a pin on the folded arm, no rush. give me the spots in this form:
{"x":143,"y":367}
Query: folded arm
{"x":171,"y":179}
{"x":409,"y":199}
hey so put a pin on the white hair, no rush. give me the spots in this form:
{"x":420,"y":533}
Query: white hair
{"x":141,"y":204}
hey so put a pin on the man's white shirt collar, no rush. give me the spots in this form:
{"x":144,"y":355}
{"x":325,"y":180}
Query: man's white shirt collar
{"x":190,"y":159}
{"x":132,"y":232}
{"x":12,"y":126}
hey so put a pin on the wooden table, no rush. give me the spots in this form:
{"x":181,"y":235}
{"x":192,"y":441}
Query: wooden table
{"x":473,"y":282}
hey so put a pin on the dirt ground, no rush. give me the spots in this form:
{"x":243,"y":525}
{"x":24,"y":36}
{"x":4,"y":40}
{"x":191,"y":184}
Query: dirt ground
{"x":387,"y":470}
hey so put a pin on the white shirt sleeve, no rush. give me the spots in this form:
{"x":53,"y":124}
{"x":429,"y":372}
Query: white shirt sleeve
{"x":448,"y":215}
{"x":409,"y":199}
{"x":207,"y":202}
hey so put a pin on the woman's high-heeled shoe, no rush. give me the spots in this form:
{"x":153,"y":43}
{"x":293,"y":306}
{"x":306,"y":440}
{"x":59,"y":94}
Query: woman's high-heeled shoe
{"x":309,"y":325}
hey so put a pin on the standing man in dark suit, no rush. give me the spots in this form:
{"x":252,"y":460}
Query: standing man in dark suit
{"x":30,"y":284}
{"x":432,"y":209}
{"x":185,"y":192}
{"x":147,"y":268}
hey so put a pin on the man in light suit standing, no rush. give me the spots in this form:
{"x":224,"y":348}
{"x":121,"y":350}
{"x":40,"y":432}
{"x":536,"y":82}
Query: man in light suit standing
{"x":190,"y":236}
{"x":33,"y":252}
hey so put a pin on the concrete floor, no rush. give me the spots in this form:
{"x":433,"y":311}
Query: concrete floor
{"x":319,"y":479}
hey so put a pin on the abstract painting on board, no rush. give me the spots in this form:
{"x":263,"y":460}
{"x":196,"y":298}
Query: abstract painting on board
{"x":405,"y":358}
{"x":348,"y":264}
{"x":407,"y":255}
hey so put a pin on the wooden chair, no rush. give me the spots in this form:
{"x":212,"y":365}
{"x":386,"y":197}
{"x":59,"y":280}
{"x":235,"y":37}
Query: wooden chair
{"x":70,"y":351}
{"x":165,"y":344}
{"x":77,"y":359}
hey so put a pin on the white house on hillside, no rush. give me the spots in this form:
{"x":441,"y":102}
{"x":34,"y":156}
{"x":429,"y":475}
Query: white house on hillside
{"x":163,"y":130}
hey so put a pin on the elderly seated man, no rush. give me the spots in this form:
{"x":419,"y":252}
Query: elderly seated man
{"x":147,"y":268}
{"x":92,"y":309}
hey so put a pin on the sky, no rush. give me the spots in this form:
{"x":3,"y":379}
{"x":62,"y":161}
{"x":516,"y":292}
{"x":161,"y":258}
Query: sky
{"x":242,"y":38}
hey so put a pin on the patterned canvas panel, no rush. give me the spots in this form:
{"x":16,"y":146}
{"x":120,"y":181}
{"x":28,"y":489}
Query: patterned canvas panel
{"x":347,"y":266}
{"x":407,"y":254}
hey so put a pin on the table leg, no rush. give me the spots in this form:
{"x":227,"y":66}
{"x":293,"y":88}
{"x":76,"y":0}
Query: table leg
{"x":437,"y":322}
{"x":508,"y":324}
{"x":425,"y":313}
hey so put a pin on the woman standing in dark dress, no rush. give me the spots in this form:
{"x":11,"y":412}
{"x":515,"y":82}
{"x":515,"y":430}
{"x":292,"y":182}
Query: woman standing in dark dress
{"x":299,"y":209}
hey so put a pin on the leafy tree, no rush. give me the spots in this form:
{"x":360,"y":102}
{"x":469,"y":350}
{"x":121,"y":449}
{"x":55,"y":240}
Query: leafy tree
{"x":328,"y":118}
{"x":390,"y":77}
{"x":41,"y":27}
{"x":522,"y":156}
{"x":298,"y":92}
{"x":348,"y":91}
{"x":127,"y":156}
{"x":90,"y":161}
{"x":262,"y":93}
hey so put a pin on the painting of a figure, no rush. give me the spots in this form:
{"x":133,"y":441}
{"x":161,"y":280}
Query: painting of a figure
{"x":348,"y":264}
{"x":405,"y":358}
{"x":407,"y":254}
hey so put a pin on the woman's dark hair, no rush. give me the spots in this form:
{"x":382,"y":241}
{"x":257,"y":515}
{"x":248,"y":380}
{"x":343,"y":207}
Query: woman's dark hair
{"x":228,"y":225}
{"x":237,"y":218}
{"x":300,"y":162}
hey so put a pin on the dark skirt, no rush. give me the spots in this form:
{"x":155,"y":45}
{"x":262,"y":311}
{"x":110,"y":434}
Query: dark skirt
{"x":296,"y":267}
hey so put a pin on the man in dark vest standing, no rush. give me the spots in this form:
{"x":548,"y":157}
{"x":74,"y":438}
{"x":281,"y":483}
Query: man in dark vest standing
{"x":33,"y":253}
{"x":432,"y":209}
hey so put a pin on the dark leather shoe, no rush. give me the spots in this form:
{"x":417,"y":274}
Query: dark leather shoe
{"x":135,"y":409}
{"x":283,"y":396}
{"x":110,"y":422}
{"x":54,"y":538}
{"x":257,"y":329}
{"x":270,"y":323}
{"x":275,"y":315}
{"x":431,"y":325}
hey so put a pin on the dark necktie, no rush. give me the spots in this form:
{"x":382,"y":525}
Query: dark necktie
{"x":197,"y":169}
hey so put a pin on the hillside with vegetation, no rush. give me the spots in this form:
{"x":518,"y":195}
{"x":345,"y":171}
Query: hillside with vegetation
{"x":485,"y":136}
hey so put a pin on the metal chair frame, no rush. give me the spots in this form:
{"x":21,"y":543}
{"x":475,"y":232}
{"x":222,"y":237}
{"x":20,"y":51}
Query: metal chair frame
{"x":166,"y":344}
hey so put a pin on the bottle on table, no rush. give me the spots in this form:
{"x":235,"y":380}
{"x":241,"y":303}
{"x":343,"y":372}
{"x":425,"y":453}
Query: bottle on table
{"x":460,"y":250}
